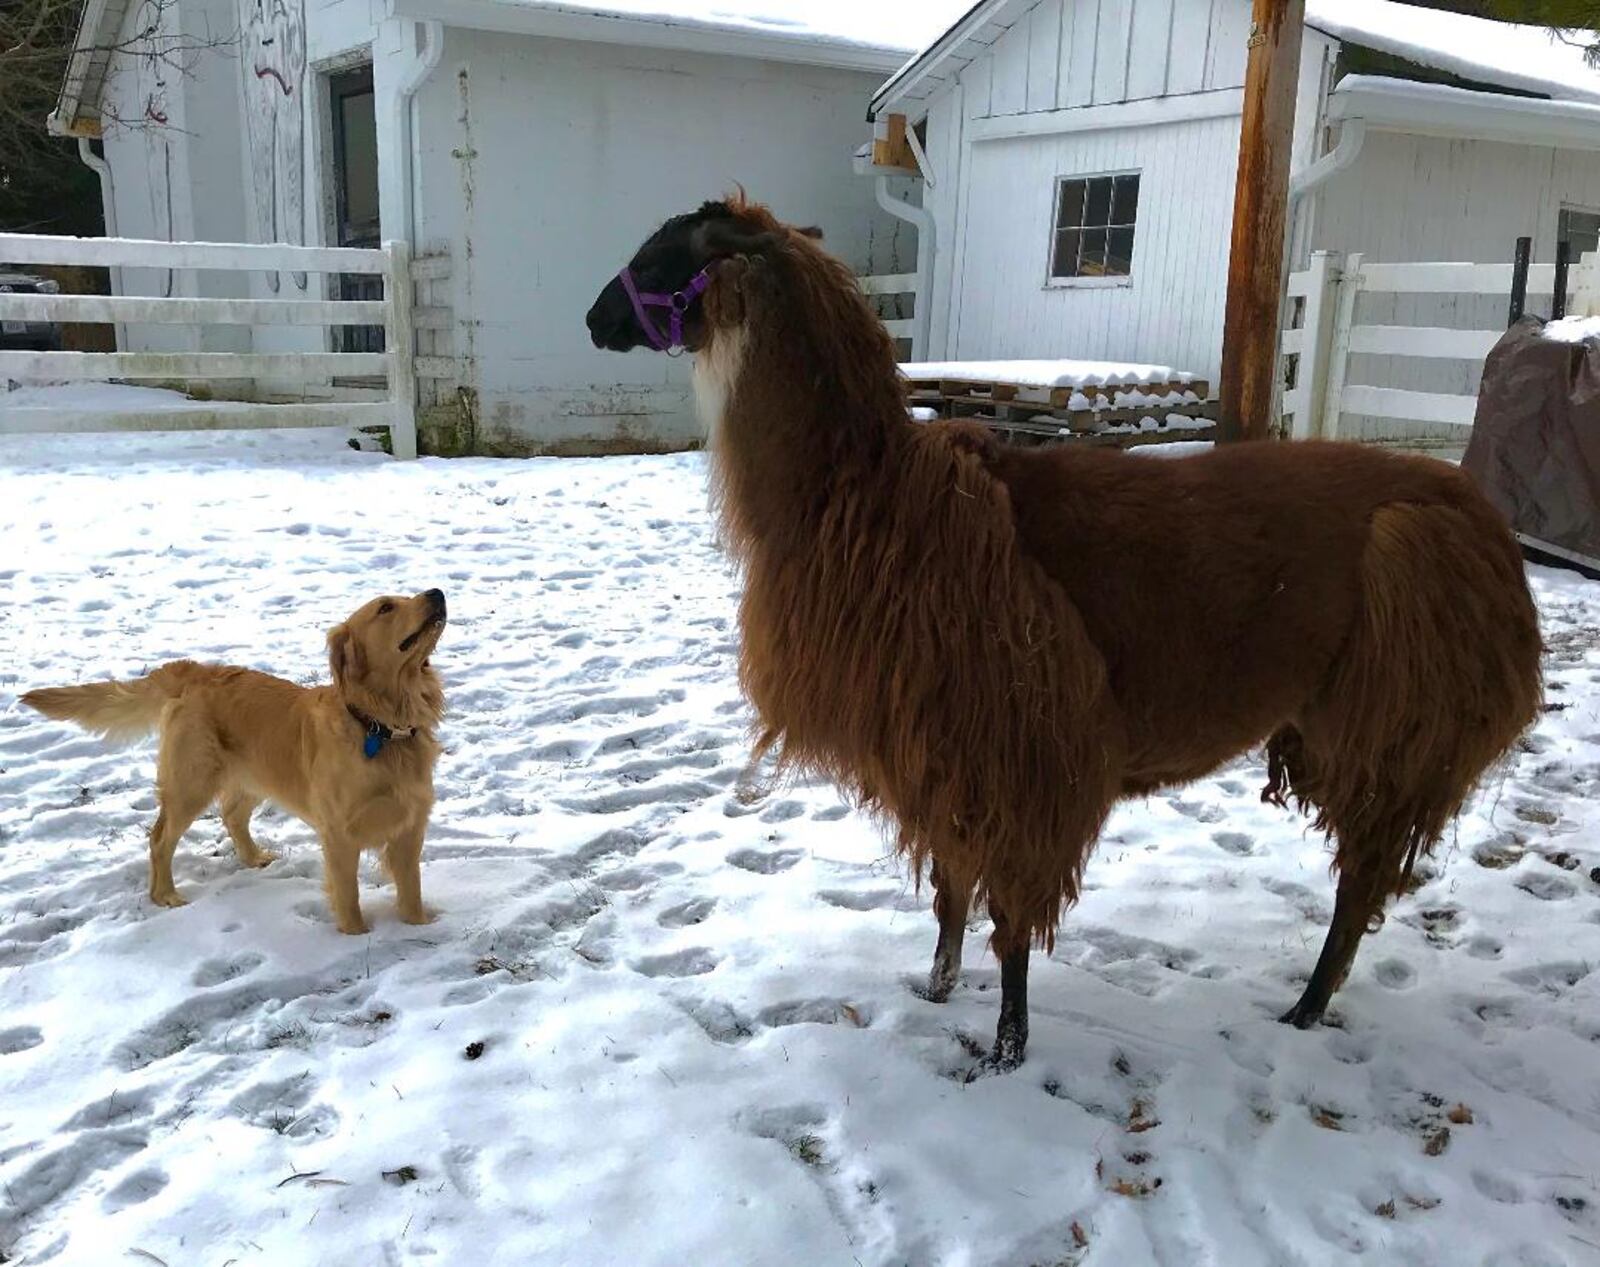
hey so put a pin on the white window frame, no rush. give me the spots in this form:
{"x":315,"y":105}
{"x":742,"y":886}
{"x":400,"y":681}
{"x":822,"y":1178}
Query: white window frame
{"x":1123,"y":281}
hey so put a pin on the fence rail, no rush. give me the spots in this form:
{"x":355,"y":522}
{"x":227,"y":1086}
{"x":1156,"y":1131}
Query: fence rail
{"x":894,"y":284}
{"x":1328,"y":336}
{"x":394,"y":312}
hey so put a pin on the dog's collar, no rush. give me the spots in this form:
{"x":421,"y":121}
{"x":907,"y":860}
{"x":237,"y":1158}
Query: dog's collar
{"x":377,"y":734}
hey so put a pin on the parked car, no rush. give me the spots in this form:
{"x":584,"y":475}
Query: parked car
{"x":38,"y":336}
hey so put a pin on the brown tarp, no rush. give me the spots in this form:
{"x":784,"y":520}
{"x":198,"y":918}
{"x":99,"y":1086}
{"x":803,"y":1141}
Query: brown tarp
{"x":1535,"y":447}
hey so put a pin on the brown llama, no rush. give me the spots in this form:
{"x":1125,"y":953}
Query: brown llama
{"x":990,"y":645}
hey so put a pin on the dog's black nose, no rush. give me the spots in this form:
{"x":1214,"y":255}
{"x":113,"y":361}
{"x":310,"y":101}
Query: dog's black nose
{"x":436,"y":597}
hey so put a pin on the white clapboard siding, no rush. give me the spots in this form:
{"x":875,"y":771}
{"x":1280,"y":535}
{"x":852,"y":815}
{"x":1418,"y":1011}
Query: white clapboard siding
{"x":1063,"y":54}
{"x":1170,"y":311}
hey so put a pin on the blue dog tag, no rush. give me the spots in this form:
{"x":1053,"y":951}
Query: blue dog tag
{"x":373,"y":745}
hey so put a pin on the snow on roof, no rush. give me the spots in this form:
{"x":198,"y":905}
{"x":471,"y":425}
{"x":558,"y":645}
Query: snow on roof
{"x":896,"y":25}
{"x":1524,"y":57}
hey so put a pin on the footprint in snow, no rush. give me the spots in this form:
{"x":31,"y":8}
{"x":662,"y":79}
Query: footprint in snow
{"x":1235,"y":842}
{"x":1547,"y":888}
{"x":765,"y":862}
{"x":1394,"y":974}
{"x":216,"y":971}
{"x":686,"y":914}
{"x":19,"y":1038}
{"x":136,"y":1189}
{"x":696,"y":961}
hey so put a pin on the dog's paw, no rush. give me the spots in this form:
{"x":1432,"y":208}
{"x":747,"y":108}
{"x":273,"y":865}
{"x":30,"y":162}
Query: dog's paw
{"x":354,"y":927}
{"x":424,"y":915}
{"x":169,"y":898}
{"x":261,"y":858}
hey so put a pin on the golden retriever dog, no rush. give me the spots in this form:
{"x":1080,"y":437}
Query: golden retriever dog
{"x":354,"y":760}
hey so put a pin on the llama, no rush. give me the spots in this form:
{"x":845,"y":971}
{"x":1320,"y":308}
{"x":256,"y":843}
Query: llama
{"x":989,"y":645}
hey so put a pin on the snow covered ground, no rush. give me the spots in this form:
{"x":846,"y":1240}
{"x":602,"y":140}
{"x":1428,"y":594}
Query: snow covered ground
{"x":657,"y":1024}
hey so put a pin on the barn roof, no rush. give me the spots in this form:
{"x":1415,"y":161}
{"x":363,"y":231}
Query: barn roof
{"x":77,"y":111}
{"x":1520,"y":58}
{"x":871,"y":35}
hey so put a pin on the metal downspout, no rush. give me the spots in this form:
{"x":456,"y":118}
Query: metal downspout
{"x":108,"y":205}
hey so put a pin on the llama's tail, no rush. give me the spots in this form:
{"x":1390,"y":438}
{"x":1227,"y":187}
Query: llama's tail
{"x":121,"y":711}
{"x":1437,"y":681}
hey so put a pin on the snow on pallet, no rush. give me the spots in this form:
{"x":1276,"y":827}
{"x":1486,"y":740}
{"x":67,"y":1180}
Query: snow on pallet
{"x":1108,"y":402}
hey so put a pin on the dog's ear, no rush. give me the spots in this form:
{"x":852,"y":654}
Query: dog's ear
{"x":812,"y":231}
{"x":345,"y":656}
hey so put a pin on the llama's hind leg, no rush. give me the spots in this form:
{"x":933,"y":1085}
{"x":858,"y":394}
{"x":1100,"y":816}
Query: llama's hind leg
{"x":1012,"y":944}
{"x":1354,"y":908}
{"x":951,"y":900}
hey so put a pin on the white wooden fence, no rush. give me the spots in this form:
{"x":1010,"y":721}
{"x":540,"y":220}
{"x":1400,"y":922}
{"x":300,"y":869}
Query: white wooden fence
{"x":894,"y":284}
{"x":397,"y":410}
{"x":1328,"y":336}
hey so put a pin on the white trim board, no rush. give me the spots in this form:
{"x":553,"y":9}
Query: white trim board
{"x":1123,"y":114}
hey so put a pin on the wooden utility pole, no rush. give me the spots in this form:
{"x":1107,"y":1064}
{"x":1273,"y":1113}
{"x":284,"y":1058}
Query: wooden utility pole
{"x":1260,"y":206}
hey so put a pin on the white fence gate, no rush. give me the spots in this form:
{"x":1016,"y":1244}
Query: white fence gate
{"x":397,"y":409}
{"x":1328,"y":335}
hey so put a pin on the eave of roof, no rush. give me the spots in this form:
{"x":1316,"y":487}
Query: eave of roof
{"x":580,"y":22}
{"x":77,"y":111}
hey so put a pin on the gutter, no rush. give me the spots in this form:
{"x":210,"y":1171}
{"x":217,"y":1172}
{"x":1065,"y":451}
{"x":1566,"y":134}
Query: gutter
{"x":108,"y":204}
{"x":420,"y":63}
{"x":1400,"y":105}
{"x":1352,"y":136}
{"x":921,"y":219}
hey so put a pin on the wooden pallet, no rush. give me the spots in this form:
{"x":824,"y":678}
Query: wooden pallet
{"x":947,"y":392}
{"x":1050,"y":433}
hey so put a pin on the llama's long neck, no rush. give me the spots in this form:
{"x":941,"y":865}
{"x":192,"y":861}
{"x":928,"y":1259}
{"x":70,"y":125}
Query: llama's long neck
{"x":807,"y":406}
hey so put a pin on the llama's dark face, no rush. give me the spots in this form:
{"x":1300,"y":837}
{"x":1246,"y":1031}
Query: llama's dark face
{"x":672,"y":255}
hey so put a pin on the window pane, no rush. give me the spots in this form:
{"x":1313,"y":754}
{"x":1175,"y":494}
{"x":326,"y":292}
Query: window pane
{"x":1125,"y":200}
{"x":1069,"y":215}
{"x":1581,"y":228}
{"x":1065,"y":260}
{"x":1119,"y":252}
{"x":1097,"y":210}
{"x":1092,"y":255}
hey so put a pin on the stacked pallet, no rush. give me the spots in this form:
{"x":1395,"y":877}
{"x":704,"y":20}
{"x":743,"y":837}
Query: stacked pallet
{"x":1084,"y":402}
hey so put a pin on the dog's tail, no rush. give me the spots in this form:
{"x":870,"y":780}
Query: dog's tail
{"x":121,"y":711}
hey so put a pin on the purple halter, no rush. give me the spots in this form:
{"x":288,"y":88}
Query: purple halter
{"x":677,"y":303}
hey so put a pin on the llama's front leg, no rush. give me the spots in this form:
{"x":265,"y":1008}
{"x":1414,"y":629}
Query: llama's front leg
{"x":951,"y":900}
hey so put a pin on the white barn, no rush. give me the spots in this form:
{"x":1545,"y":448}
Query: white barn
{"x":529,"y":145}
{"x":1079,"y":159}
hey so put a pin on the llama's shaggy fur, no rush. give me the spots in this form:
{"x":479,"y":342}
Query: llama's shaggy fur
{"x":990,"y":645}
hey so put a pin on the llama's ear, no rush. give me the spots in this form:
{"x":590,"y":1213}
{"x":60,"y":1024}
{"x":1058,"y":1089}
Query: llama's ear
{"x":717,"y":238}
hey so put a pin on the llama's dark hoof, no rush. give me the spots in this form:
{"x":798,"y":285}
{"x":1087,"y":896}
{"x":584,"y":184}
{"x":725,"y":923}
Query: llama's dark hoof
{"x":1302,"y":1015}
{"x":1010,"y":1050}
{"x":941,"y":982}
